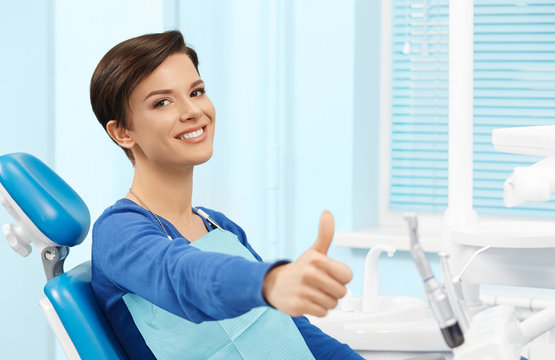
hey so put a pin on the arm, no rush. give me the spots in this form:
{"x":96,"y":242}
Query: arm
{"x":138,"y":258}
{"x":311,"y":284}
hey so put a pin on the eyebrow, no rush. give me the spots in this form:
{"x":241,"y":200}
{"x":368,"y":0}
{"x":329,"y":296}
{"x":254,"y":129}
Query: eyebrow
{"x":169,"y":91}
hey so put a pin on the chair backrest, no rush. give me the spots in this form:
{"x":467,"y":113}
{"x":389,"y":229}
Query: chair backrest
{"x":72,"y":298}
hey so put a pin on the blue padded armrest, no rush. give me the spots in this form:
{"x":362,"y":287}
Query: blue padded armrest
{"x":72,"y":298}
{"x":47,"y":200}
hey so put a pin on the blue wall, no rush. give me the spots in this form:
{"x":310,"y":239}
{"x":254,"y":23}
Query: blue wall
{"x":26,"y":125}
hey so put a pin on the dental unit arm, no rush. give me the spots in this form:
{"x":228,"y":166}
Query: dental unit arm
{"x":495,"y":333}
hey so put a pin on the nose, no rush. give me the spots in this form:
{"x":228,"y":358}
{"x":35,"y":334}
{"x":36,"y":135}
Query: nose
{"x":189,"y":110}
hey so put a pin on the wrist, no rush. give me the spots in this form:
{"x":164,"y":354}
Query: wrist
{"x":270,"y":280}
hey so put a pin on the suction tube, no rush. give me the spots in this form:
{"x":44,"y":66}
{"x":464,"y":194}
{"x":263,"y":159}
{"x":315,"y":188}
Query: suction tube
{"x":437,"y":297}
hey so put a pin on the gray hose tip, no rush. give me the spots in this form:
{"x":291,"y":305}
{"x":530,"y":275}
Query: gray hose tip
{"x":453,"y":335}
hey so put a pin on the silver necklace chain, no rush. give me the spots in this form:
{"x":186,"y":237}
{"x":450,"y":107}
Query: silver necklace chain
{"x":199,"y":212}
{"x":152,"y":212}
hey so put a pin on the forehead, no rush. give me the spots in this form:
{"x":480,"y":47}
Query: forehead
{"x":176,"y":71}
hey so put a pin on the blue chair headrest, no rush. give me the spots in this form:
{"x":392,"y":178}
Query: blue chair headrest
{"x":47,"y":200}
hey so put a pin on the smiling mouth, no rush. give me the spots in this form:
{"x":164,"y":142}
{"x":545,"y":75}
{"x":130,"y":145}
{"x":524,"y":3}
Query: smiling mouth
{"x":192,"y":134}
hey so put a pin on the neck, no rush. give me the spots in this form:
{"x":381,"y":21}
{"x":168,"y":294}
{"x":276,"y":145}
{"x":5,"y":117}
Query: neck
{"x":167,"y":192}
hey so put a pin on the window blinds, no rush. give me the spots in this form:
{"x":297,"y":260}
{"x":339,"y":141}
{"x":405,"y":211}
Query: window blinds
{"x":514,"y":85}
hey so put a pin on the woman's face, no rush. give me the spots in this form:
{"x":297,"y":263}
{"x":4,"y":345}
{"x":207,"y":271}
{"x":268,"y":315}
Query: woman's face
{"x":172,"y":119}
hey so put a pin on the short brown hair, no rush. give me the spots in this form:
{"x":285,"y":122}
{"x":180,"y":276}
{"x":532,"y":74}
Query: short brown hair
{"x":124,"y":67}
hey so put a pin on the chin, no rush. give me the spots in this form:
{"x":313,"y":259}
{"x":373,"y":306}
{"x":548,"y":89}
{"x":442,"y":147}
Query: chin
{"x":202,"y":158}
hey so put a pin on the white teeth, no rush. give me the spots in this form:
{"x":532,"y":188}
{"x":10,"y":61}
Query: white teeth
{"x":193,"y":134}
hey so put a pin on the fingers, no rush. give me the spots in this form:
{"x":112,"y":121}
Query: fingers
{"x":316,"y":302}
{"x":320,"y":300}
{"x":339,"y":271}
{"x":325,"y":233}
{"x":313,"y":303}
{"x":311,"y":308}
{"x":321,"y":282}
{"x":333,"y":268}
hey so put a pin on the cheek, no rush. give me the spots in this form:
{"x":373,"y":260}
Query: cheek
{"x":149,"y":129}
{"x":209,"y":109}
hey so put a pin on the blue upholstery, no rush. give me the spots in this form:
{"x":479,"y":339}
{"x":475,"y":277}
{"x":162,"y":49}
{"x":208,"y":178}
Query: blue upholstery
{"x":72,"y":297}
{"x":47,"y":200}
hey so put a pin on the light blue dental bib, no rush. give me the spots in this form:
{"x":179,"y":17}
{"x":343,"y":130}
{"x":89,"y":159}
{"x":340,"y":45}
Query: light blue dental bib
{"x":261,"y":333}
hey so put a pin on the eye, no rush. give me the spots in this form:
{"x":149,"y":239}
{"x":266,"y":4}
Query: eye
{"x":198,"y":92}
{"x":161,"y":103}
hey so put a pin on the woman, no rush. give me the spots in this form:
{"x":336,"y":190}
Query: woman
{"x":181,"y":282}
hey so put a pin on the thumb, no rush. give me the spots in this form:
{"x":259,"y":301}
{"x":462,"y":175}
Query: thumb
{"x":325,"y":233}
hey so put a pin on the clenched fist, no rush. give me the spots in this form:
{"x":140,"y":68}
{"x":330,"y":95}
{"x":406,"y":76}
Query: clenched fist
{"x":313,"y":283}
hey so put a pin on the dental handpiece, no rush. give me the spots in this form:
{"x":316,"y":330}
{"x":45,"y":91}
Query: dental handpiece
{"x":437,"y":297}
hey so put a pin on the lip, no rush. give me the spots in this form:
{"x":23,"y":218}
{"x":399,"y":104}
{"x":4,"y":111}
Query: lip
{"x":197,"y":139}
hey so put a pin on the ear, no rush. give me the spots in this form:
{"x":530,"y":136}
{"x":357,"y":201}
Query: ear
{"x":119,"y":134}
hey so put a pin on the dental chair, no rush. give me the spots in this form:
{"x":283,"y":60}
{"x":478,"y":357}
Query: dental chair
{"x":51,"y":215}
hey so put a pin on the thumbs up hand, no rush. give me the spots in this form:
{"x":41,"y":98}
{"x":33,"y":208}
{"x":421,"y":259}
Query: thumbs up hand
{"x":313,"y":283}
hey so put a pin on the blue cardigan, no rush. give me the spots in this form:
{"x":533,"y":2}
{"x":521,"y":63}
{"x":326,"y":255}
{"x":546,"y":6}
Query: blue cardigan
{"x":131,"y":254}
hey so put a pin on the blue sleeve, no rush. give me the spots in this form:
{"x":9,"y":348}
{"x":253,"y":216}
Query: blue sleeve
{"x":322,"y":345}
{"x":174,"y":275}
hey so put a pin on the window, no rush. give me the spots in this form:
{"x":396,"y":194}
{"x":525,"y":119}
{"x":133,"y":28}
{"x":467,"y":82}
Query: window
{"x":514,"y":85}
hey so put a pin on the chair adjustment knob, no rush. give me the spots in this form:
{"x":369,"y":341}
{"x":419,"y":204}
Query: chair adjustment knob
{"x":16,"y":239}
